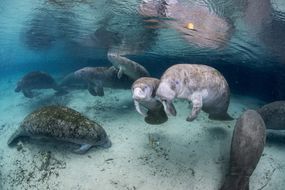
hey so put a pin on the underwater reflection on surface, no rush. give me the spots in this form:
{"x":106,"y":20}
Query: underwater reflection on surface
{"x":247,"y":33}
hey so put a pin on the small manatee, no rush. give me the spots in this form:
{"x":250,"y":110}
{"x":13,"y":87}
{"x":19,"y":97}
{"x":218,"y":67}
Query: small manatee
{"x":126,"y":66}
{"x":143,"y":91}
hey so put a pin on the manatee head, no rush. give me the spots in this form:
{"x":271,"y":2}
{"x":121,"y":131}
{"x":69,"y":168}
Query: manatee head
{"x":18,"y":87}
{"x":142,"y":92}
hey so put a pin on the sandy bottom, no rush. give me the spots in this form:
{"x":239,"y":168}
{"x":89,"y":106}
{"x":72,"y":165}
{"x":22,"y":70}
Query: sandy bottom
{"x":174,"y":155}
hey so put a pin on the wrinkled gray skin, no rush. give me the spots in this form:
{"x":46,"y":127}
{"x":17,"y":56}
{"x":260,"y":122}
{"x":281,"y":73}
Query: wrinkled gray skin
{"x":71,"y":81}
{"x":126,"y":66}
{"x":37,"y":80}
{"x":143,"y":91}
{"x":64,"y":124}
{"x":94,"y":79}
{"x":202,"y":85}
{"x":273,"y":115}
{"x":246,"y":149}
{"x":209,"y":30}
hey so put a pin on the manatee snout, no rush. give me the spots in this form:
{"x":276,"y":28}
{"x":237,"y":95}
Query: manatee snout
{"x":106,"y":143}
{"x":138,"y":94}
{"x":17,"y":89}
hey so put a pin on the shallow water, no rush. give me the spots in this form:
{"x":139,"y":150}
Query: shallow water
{"x":243,"y":39}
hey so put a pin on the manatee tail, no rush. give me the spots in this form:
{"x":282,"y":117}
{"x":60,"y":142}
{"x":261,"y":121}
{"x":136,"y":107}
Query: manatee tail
{"x":18,"y":133}
{"x":156,"y":117}
{"x":236,"y":183}
{"x":220,"y":117}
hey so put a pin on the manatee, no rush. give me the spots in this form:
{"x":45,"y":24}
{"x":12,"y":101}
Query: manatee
{"x":126,"y":66}
{"x":246,"y":149}
{"x":143,"y":91}
{"x":71,"y":81}
{"x":64,"y":124}
{"x":37,"y":80}
{"x":94,"y":79}
{"x":273,"y":115}
{"x":202,"y":85}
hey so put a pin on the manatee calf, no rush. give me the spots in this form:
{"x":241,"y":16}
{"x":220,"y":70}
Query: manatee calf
{"x":62,"y":123}
{"x":247,"y":146}
{"x":37,"y":80}
{"x":126,"y":66}
{"x":273,"y":115}
{"x":202,"y":85}
{"x":143,"y":91}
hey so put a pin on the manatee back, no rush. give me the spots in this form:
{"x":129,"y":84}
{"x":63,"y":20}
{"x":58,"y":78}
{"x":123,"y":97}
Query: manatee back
{"x":273,"y":115}
{"x":64,"y":124}
{"x":197,"y":77}
{"x":247,"y":143}
{"x":34,"y":80}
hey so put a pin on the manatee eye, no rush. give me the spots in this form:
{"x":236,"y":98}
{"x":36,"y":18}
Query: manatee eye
{"x":143,"y":88}
{"x":173,"y":85}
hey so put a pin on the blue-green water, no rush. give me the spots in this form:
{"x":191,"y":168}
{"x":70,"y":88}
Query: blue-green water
{"x":60,"y":37}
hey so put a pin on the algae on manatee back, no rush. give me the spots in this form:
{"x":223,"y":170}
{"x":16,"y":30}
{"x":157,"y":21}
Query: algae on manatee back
{"x":62,"y":123}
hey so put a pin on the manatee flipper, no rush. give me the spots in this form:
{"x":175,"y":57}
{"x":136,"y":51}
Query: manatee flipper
{"x":236,"y":182}
{"x":138,"y":108}
{"x":169,"y":108}
{"x":28,"y":93}
{"x":220,"y":117}
{"x":99,"y":88}
{"x":83,"y":149}
{"x":91,"y":89}
{"x":120,"y":73}
{"x":18,"y":133}
{"x":197,"y":106}
{"x":156,"y":117}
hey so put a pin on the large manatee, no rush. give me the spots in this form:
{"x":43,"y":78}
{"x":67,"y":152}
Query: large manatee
{"x":247,"y":146}
{"x":202,"y":85}
{"x":64,"y":124}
